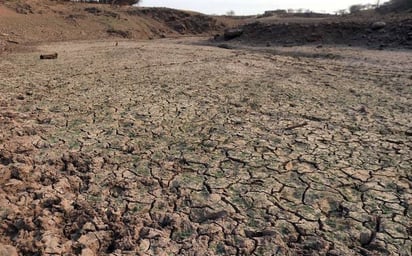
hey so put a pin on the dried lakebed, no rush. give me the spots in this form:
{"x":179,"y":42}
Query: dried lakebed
{"x":164,"y":147}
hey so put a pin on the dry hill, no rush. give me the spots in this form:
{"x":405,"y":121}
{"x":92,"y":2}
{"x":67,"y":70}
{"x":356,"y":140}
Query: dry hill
{"x":31,"y":21}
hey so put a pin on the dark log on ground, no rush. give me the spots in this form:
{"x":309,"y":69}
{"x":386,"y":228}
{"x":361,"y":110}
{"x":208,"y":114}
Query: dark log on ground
{"x":12,"y":41}
{"x":48,"y":56}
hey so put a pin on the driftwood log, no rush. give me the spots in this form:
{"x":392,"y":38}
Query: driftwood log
{"x":48,"y":56}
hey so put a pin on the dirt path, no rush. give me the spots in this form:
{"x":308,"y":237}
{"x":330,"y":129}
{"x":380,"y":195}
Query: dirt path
{"x":168,"y":148}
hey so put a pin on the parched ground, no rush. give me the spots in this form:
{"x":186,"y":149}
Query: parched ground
{"x":169,"y":148}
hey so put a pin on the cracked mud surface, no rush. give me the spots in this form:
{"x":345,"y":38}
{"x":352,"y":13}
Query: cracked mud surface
{"x":165,"y":148}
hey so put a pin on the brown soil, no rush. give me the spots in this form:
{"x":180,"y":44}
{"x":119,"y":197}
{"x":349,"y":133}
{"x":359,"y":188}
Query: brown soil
{"x":26,"y":22}
{"x":168,"y":148}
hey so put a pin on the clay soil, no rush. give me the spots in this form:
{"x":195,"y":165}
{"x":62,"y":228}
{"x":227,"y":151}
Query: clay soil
{"x":169,"y":148}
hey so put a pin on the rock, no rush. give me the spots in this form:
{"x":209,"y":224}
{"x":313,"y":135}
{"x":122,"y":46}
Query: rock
{"x":334,"y":252}
{"x":247,"y":246}
{"x":92,"y":10}
{"x":213,"y":216}
{"x":232,"y":33}
{"x":52,"y":243}
{"x":90,"y":241}
{"x":409,"y":230}
{"x":252,"y":234}
{"x":378,"y":25}
{"x":363,"y":110}
{"x":314,"y":244}
{"x":8,"y":250}
{"x":225,"y":46}
{"x":365,"y":238}
{"x":87,"y":252}
{"x":144,"y":245}
{"x":89,"y":227}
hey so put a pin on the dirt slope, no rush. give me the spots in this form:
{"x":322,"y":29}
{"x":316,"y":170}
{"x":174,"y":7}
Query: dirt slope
{"x":32,"y":21}
{"x":369,"y":29}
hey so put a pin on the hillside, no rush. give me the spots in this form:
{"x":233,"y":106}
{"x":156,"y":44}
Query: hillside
{"x":33,"y":21}
{"x":365,"y":29}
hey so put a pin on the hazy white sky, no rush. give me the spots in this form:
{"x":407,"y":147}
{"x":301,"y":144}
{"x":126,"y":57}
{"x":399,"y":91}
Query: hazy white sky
{"x":244,"y":7}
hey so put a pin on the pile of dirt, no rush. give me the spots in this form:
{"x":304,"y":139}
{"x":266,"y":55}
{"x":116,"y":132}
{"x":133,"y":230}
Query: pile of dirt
{"x":374,"y":32}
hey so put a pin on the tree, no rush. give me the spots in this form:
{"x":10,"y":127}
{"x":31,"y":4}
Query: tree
{"x":401,"y":4}
{"x":395,"y":5}
{"x":341,"y":12}
{"x":126,"y":2}
{"x":116,"y":2}
{"x":230,"y":13}
{"x":356,"y":8}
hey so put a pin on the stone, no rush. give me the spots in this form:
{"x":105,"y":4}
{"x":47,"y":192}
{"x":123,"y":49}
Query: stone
{"x":214,"y":216}
{"x":8,"y":250}
{"x":365,"y":238}
{"x":87,"y":252}
{"x":51,"y":243}
{"x":378,"y":25}
{"x":90,"y":241}
{"x":225,"y":46}
{"x":232,"y":33}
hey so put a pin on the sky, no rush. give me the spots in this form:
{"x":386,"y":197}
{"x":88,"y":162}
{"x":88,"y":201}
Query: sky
{"x":250,"y":7}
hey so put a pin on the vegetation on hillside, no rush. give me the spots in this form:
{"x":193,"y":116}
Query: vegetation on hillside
{"x":390,"y":6}
{"x":397,"y":5}
{"x":118,"y":2}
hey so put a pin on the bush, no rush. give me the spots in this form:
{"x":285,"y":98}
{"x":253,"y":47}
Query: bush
{"x":230,"y":13}
{"x":126,"y":2}
{"x":355,"y":8}
{"x":118,"y":2}
{"x":396,"y":5}
{"x":361,"y":7}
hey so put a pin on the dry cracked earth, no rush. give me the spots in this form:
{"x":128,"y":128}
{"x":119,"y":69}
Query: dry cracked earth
{"x":170,"y":148}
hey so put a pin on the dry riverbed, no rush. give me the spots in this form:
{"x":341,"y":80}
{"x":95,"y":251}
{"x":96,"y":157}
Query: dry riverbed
{"x":167,"y":148}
